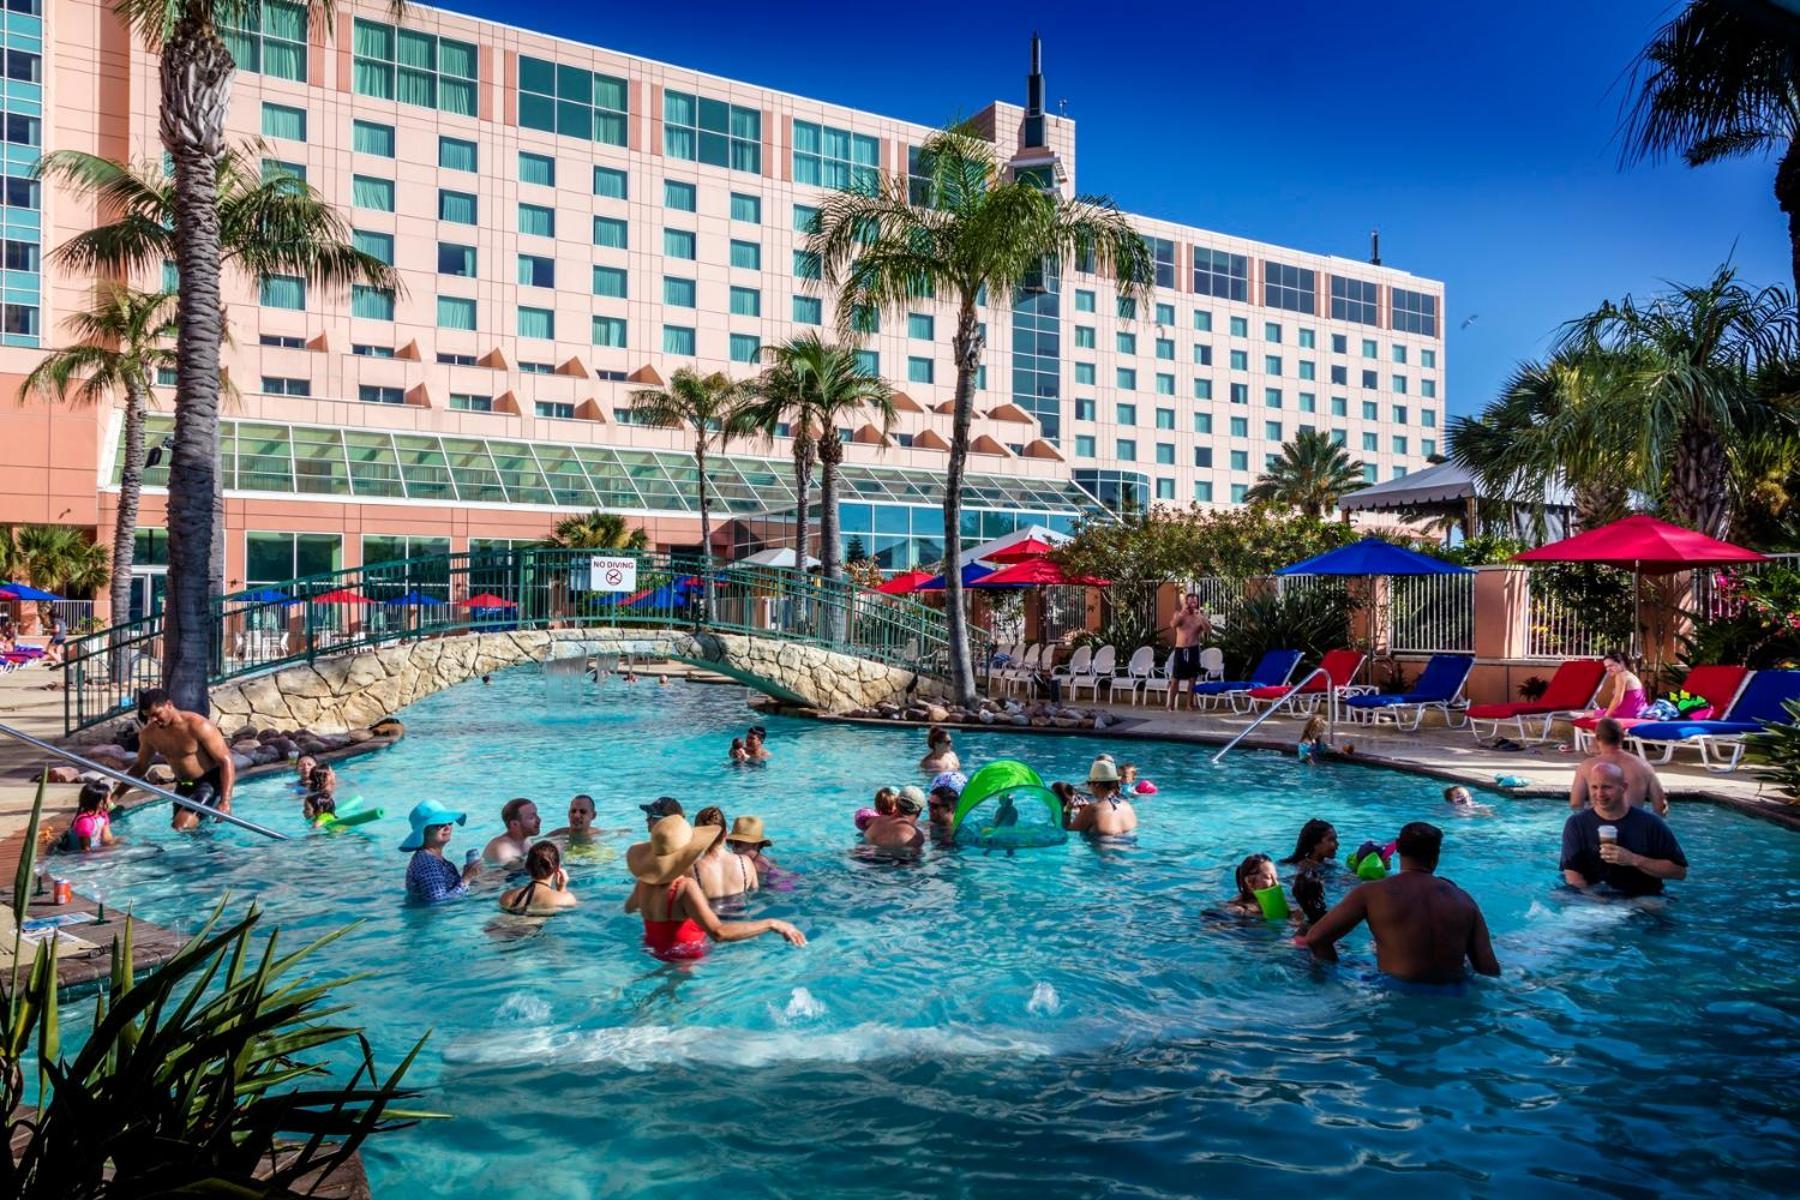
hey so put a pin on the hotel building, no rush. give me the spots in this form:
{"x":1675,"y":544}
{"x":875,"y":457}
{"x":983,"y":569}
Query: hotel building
{"x":570,"y":223}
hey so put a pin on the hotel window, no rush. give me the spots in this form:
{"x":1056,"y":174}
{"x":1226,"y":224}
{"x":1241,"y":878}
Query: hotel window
{"x":1308,"y":369}
{"x":920,"y":326}
{"x":746,"y":208}
{"x":1240,"y":360}
{"x":537,"y":168}
{"x":1084,"y":409}
{"x":1370,"y":412}
{"x":745,"y":347}
{"x":1371,"y":379}
{"x":1308,"y":339}
{"x":371,"y":303}
{"x":456,"y":206}
{"x":370,"y":394}
{"x":561,"y":410}
{"x":868,"y":362}
{"x":697,"y":129}
{"x":1271,"y":397}
{"x":1217,"y":273}
{"x":1126,"y":414}
{"x":274,"y":169}
{"x":281,"y":121}
{"x":537,"y":220}
{"x":537,"y":323}
{"x":456,"y":260}
{"x":572,"y":101}
{"x":804,"y":216}
{"x":1084,"y":300}
{"x":1370,"y":442}
{"x":679,"y":196}
{"x":808,"y":310}
{"x":1127,"y":450}
{"x":537,"y":271}
{"x":806,"y":265}
{"x":1340,"y":375}
{"x":366,"y":350}
{"x":678,"y":243}
{"x":456,"y":360}
{"x":283,"y":291}
{"x":1272,"y":431}
{"x":1203,"y":389}
{"x":1162,"y":253}
{"x":1202,"y":321}
{"x":864,"y":319}
{"x":609,"y":332}
{"x":166,"y":377}
{"x":1165,"y":385}
{"x":1340,"y":344}
{"x":268,"y":39}
{"x":746,"y":302}
{"x":1165,"y":489}
{"x":455,"y":312}
{"x":1203,"y":423}
{"x":610,"y":282}
{"x":1428,"y":417}
{"x":469,"y":402}
{"x":1240,"y":427}
{"x":1428,"y":447}
{"x":1414,"y":312}
{"x":22,"y":130}
{"x":1240,"y":393}
{"x":1165,"y":418}
{"x":1271,"y":364}
{"x":1340,"y":437}
{"x":609,"y":232}
{"x":375,"y":245}
{"x":1428,"y":388}
{"x":1125,"y":379}
{"x":1290,"y":288}
{"x":1084,"y":373}
{"x":371,"y":137}
{"x":920,"y":370}
{"x":1084,"y":337}
{"x":456,"y":154}
{"x":1399,"y":444}
{"x":1240,"y":460}
{"x":678,"y":339}
{"x":1428,"y":359}
{"x":1203,"y":490}
{"x":1165,"y":313}
{"x":1127,"y":308}
{"x":1353,"y":300}
{"x":281,"y":341}
{"x":746,"y":256}
{"x":1084,"y":445}
{"x":1203,"y":456}
{"x":678,"y":293}
{"x":1371,"y":348}
{"x":611,"y":183}
{"x":1399,"y":353}
{"x":1203,"y":356}
{"x":1125,"y":343}
{"x":1165,"y":349}
{"x":276,"y":385}
{"x":1240,"y":327}
{"x":1309,"y":402}
{"x":1399,"y":382}
{"x":1340,"y":407}
{"x":414,"y":68}
{"x":1399,"y":414}
{"x":835,"y":158}
{"x":371,"y":193}
{"x":1165,"y":454}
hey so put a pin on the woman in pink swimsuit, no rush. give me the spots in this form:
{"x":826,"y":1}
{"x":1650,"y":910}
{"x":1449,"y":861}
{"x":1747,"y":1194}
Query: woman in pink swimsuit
{"x":678,"y":922}
{"x":1625,"y":689}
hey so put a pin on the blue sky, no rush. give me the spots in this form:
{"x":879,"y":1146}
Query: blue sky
{"x":1480,"y":139}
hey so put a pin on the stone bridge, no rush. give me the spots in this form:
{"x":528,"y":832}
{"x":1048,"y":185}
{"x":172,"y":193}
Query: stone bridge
{"x":352,"y":690}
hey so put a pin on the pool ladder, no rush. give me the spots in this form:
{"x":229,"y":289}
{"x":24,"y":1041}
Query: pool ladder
{"x":161,"y":793}
{"x":1331,"y":702}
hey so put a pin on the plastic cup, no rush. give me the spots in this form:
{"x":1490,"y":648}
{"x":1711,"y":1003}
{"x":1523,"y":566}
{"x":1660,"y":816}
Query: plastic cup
{"x":1609,"y":835}
{"x":471,"y":858}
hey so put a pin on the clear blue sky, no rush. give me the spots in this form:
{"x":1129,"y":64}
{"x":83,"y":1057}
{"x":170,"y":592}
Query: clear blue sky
{"x":1480,"y":139}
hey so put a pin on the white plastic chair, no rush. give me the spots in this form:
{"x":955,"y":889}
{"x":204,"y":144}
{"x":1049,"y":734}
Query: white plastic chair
{"x":1100,"y":670}
{"x":1020,"y":675}
{"x":1138,"y":671}
{"x":1079,"y":664}
{"x":1160,"y":679}
{"x":1212,"y":667}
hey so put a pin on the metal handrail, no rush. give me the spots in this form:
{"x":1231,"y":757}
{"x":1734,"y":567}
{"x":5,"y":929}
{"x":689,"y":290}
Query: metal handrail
{"x":1331,"y":700}
{"x":179,"y":801}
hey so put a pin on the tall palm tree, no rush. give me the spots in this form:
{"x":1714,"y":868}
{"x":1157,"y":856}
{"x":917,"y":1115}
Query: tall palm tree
{"x":777,"y":401}
{"x":975,"y":231}
{"x":59,"y":558}
{"x":1312,"y":475}
{"x":708,"y":406}
{"x":596,"y":530}
{"x":217,"y":211}
{"x":123,"y":339}
{"x":1722,"y":80}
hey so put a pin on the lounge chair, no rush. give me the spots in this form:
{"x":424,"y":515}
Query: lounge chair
{"x":1759,"y":705}
{"x":1571,"y":691}
{"x":1339,"y":667}
{"x":1275,"y":669}
{"x":1438,"y":687}
{"x":1719,"y":686}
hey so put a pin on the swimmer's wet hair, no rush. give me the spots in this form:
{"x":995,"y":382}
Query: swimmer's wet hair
{"x":542,"y":860}
{"x":1420,"y":841}
{"x":509,"y":812}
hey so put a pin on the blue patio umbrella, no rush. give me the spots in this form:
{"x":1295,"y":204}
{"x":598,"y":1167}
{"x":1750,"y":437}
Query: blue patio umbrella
{"x":1372,"y":556}
{"x":972,"y":575}
{"x":24,"y":591}
{"x":416,"y":597}
{"x":265,"y":596}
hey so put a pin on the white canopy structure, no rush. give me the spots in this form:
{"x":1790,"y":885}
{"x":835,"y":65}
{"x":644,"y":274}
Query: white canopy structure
{"x":1005,"y":542}
{"x":782,"y":556}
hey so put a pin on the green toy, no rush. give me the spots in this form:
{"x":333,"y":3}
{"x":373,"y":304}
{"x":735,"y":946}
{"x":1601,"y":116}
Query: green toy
{"x":1274,"y":902}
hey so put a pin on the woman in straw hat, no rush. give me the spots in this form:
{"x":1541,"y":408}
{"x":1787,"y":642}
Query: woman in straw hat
{"x":677,"y":919}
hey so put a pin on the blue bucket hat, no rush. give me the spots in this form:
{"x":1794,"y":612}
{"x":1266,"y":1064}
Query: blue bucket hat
{"x":425,"y":814}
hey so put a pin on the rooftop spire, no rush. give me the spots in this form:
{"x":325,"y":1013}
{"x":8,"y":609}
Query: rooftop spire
{"x":1034,"y":96}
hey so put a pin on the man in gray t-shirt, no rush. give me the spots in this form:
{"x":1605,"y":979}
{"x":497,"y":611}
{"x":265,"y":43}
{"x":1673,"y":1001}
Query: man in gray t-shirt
{"x":1635,"y":858}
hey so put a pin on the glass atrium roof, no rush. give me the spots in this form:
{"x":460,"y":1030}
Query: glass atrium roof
{"x":367,"y":464}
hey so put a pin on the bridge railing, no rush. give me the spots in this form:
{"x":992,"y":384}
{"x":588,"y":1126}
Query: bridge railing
{"x":497,"y":590}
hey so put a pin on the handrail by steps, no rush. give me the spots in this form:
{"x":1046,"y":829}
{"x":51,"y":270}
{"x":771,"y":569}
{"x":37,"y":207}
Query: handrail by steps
{"x":162,"y":793}
{"x":1331,"y":699}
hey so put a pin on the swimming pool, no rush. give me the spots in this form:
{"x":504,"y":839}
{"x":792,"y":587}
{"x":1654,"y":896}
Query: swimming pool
{"x":1063,"y":1022}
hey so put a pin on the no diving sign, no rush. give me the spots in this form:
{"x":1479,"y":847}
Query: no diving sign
{"x":612,"y":574}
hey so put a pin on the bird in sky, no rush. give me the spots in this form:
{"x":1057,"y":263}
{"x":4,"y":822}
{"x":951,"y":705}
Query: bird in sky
{"x":1470,"y":319}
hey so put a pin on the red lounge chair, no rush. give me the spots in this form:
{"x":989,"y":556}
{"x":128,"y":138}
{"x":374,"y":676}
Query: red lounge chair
{"x":1720,"y":686}
{"x":1571,"y":690}
{"x":1339,"y":667}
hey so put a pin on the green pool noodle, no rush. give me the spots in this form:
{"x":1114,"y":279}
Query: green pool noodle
{"x":1274,"y":902}
{"x":358,"y":816}
{"x":1002,"y":776}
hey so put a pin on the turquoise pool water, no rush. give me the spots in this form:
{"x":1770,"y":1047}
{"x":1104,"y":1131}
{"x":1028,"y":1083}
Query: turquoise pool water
{"x":1064,"y":1022}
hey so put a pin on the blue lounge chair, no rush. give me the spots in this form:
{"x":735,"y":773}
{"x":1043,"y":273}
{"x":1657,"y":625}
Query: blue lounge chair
{"x":1438,"y":687}
{"x":1758,"y":705}
{"x":1273,"y":671}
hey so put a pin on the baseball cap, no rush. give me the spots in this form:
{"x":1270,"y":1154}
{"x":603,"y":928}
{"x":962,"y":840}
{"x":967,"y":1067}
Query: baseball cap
{"x":663,"y":806}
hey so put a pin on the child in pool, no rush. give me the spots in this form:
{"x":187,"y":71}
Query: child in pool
{"x":92,"y":826}
{"x":319,"y":808}
{"x":738,"y":753}
{"x":1463,"y":801}
{"x":1312,"y":741}
{"x":1131,"y":785}
{"x":1256,"y":873}
{"x":886,"y":804}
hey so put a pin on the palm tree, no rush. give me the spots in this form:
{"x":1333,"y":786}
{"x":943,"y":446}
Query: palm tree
{"x":1312,"y":475}
{"x":1722,"y":80}
{"x":59,"y":558}
{"x":975,"y":232}
{"x":596,"y":530}
{"x":124,"y":339}
{"x":708,"y":405}
{"x":217,"y":211}
{"x":775,"y":399}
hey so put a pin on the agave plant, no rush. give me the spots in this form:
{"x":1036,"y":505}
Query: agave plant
{"x":193,"y":1078}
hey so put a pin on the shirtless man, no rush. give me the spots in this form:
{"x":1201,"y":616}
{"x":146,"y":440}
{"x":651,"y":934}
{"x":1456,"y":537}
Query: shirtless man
{"x":1110,"y":815}
{"x":522,"y":824}
{"x":901,"y":830}
{"x":580,"y":828}
{"x":1189,"y":626}
{"x":1641,"y":782}
{"x":194,"y":749}
{"x":1424,"y":927}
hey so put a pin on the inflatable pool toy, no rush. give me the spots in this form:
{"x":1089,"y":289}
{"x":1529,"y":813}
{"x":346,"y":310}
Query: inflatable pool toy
{"x":1511,"y":781}
{"x":1371,"y":867}
{"x":1024,"y":811}
{"x":1370,"y":860}
{"x":1144,"y":788}
{"x":1274,"y":903}
{"x":864,"y":818}
{"x":348,"y":817}
{"x":956,"y":781}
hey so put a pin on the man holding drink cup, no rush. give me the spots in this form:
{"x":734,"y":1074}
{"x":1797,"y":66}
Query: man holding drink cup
{"x":1614,"y":844}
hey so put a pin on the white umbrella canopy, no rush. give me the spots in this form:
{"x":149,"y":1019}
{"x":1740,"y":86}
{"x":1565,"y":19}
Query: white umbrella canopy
{"x":1022,"y":534}
{"x":774,"y":557}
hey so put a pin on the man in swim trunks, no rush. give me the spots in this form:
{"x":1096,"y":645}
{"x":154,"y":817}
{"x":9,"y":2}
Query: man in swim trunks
{"x":1424,"y":927}
{"x":1110,"y":815}
{"x":194,"y":749}
{"x":1637,"y":853}
{"x":1641,"y":783}
{"x":522,"y":823}
{"x":1188,"y":628}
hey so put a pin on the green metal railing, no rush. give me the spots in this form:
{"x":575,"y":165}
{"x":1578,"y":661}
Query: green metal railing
{"x":536,"y":588}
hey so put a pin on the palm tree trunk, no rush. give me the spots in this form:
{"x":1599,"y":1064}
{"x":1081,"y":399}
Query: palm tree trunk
{"x":1787,"y":195}
{"x":131,"y":487}
{"x":196,"y":91}
{"x":706,"y":580}
{"x":831,"y":568}
{"x":1697,"y":494}
{"x":803,"y":490}
{"x":968,"y":361}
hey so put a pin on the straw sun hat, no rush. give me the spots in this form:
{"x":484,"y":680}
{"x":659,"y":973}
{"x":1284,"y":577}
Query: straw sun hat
{"x":674,"y":846}
{"x":748,"y":831}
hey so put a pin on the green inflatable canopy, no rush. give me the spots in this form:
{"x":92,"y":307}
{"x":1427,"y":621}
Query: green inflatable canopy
{"x":1003,"y":776}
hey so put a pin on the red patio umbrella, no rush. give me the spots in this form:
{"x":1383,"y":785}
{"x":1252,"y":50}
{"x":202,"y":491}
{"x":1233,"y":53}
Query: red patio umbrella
{"x":487,"y":600}
{"x":1038,"y":572}
{"x":341,"y":596}
{"x":905,"y":583}
{"x":1031,"y":547}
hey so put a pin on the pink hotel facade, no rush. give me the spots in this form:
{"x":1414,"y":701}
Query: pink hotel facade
{"x":570,"y":223}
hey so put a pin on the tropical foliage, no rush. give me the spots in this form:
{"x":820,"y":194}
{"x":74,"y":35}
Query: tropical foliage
{"x":1778,"y":748}
{"x":57,"y":558}
{"x":1752,"y":619}
{"x":708,"y":407}
{"x":961,"y":228}
{"x":1312,"y":475}
{"x":1312,"y":619}
{"x":596,"y":530}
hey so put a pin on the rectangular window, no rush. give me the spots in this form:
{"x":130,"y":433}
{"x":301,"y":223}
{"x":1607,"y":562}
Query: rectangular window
{"x":1202,"y":321}
{"x":1240,"y":427}
{"x":1272,"y":431}
{"x":1308,"y":340}
{"x":1084,"y":373}
{"x":678,"y":293}
{"x":1353,"y":300}
{"x":1165,"y":418}
{"x":1203,"y":456}
{"x":1217,"y":273}
{"x":456,"y":206}
{"x":611,"y":183}
{"x":1165,"y":349}
{"x":274,"y":169}
{"x":1165,"y":385}
{"x":375,"y":245}
{"x":1240,"y":393}
{"x":537,"y":271}
{"x":746,"y":208}
{"x":1428,"y":388}
{"x":537,"y":322}
{"x":868,"y":362}
{"x":276,"y":385}
{"x":1290,"y":288}
{"x":678,"y":243}
{"x":372,"y":303}
{"x":920,"y":326}
{"x":282,"y":121}
{"x":678,"y":339}
{"x":1371,"y":348}
{"x":610,"y":332}
{"x":1203,"y":423}
{"x":1399,"y":414}
{"x":835,"y":158}
{"x":1126,"y":450}
{"x":1309,"y":402}
{"x":1240,"y":327}
{"x":1399,"y":444}
{"x":745,"y":347}
{"x":1240,"y":360}
{"x":1308,"y":369}
{"x":371,"y":193}
{"x":1413,"y":312}
{"x":1127,"y":308}
{"x":1271,"y":364}
{"x":1126,"y":414}
{"x":1125,"y":343}
{"x":1271,"y":397}
{"x":539,"y":169}
{"x":1272,"y":332}
{"x":1371,"y":379}
{"x":1165,"y":313}
{"x":610,"y":233}
{"x":371,"y":394}
{"x":1203,"y":389}
{"x":1399,"y":384}
{"x":920,"y":370}
{"x":372,"y":137}
{"x":562,"y":410}
{"x":269,"y":39}
{"x":808,"y":310}
{"x":456,"y":260}
{"x":1084,"y":445}
{"x":1399,"y":352}
{"x":1370,"y":442}
{"x":536,"y":220}
{"x":746,"y":302}
{"x":1340,"y":344}
{"x":1370,"y":411}
{"x":456,"y":154}
{"x":682,"y":197}
{"x":804,"y":217}
{"x":698,"y":129}
{"x":469,"y":402}
{"x":1203,"y":356}
{"x":283,"y":291}
{"x":1203,"y":493}
{"x":455,"y":312}
{"x":1165,"y":454}
{"x":1428,"y":417}
{"x":746,"y":256}
{"x":1162,"y":254}
{"x":1240,"y":461}
{"x":1428,"y":447}
{"x":1125,"y":379}
{"x":1084,"y":337}
{"x":366,"y":350}
{"x":610,"y":282}
{"x":1240,"y":492}
{"x":1340,"y":375}
{"x":1340,"y":407}
{"x":1428,"y":359}
{"x":572,"y":101}
{"x":1165,"y":489}
{"x":1084,"y":300}
{"x":806,"y":265}
{"x":413,"y":68}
